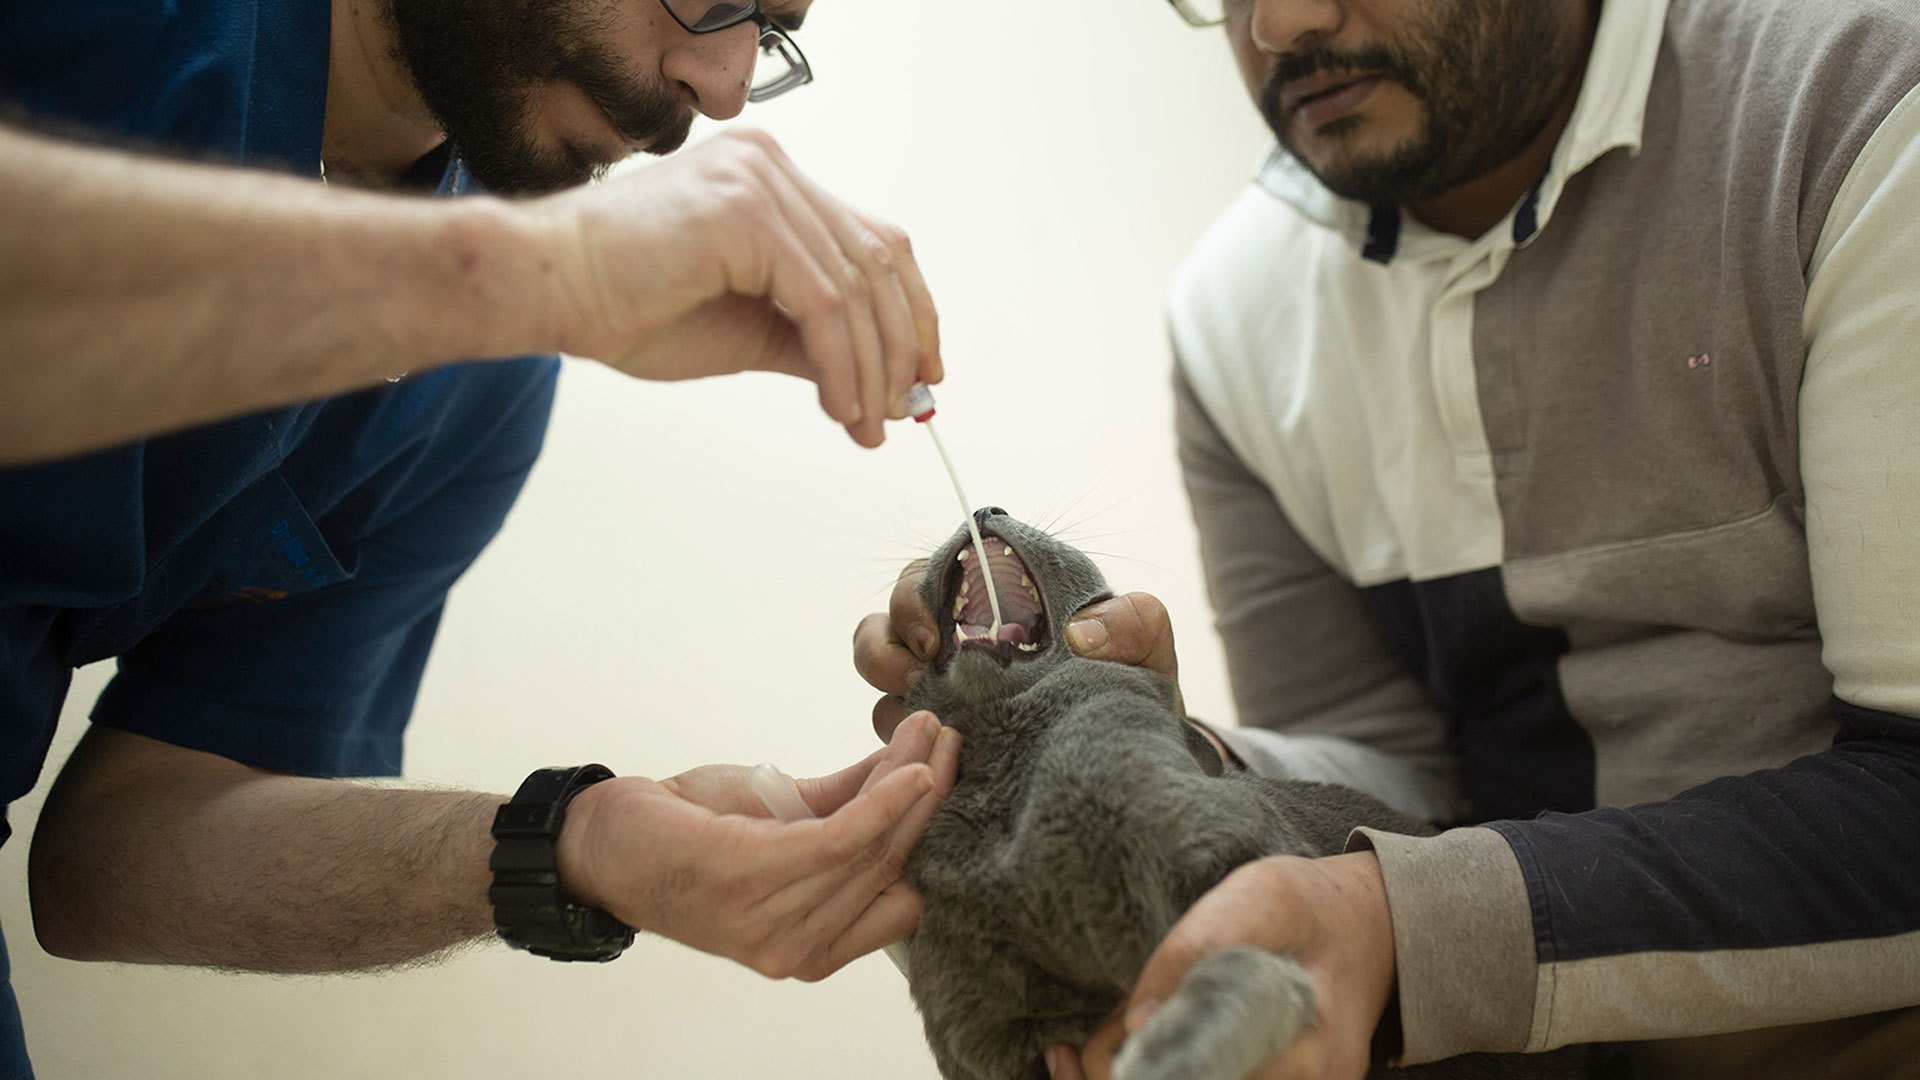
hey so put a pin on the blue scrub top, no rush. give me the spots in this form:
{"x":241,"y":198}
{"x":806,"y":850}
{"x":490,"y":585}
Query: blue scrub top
{"x":270,"y":584}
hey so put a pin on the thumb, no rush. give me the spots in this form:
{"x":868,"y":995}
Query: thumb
{"x":1159,"y":980}
{"x":1131,"y":629}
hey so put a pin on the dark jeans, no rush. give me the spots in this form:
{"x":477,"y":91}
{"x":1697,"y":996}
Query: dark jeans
{"x":13,"y":1041}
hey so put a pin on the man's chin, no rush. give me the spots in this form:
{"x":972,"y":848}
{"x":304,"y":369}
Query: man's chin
{"x":1344,"y":165}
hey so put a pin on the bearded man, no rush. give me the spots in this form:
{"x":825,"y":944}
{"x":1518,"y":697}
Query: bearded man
{"x":1550,"y":412}
{"x":245,"y":461}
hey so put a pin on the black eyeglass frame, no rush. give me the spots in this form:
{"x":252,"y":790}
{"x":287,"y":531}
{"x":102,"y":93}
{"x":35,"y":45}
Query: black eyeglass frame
{"x":773,"y":41}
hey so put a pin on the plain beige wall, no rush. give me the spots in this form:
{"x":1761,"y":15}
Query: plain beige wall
{"x":679,"y":582}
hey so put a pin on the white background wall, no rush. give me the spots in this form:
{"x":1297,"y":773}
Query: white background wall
{"x":679,"y":582}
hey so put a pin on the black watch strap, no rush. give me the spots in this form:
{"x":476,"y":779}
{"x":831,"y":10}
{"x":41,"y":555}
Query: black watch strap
{"x":529,"y":909}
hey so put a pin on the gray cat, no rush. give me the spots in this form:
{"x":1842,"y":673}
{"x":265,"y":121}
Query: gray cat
{"x":1088,"y":816}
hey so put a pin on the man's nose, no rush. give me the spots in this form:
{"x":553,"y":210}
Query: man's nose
{"x":1280,"y":26}
{"x":981,"y":515}
{"x":714,"y":70}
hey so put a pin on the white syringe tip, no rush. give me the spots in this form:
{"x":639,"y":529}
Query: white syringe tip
{"x":920,"y":402}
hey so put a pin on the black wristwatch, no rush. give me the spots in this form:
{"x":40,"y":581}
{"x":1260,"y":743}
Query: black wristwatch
{"x":529,"y":910}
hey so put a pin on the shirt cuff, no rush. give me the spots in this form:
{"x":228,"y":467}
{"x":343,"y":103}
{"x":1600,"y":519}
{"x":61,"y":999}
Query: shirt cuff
{"x":1463,"y":941}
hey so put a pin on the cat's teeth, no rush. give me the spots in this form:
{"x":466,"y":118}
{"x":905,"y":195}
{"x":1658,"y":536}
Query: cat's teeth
{"x":963,"y":554}
{"x":965,"y":584}
{"x":1024,"y":647}
{"x":959,"y":606}
{"x":1008,"y":551}
{"x":1024,"y":580}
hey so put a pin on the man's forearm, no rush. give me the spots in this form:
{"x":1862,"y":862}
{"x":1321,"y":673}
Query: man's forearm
{"x":149,"y":853}
{"x":139,"y":296}
{"x":1782,"y":897}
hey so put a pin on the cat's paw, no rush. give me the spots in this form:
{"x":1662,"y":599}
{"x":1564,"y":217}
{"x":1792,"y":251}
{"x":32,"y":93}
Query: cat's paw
{"x":1235,"y":1009}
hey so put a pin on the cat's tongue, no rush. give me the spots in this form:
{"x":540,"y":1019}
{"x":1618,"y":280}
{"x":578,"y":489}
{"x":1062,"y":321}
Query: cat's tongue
{"x":1020,"y":606}
{"x":1011,"y":633}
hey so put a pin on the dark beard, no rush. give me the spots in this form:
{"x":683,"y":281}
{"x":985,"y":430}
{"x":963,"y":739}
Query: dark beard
{"x":479,"y":63}
{"x":1485,"y":71}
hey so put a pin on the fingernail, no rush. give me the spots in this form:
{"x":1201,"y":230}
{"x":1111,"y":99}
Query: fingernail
{"x":898,"y":408}
{"x":921,"y":641}
{"x":1052,"y":1054}
{"x":858,"y":414}
{"x":1086,"y":635}
{"x":1141,"y":1012}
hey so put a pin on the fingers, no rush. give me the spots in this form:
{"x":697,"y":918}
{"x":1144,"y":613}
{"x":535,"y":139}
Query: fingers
{"x":885,"y":315}
{"x":912,"y":743}
{"x":926,"y":320}
{"x":888,"y":663}
{"x":1096,"y":1058}
{"x":861,"y":827}
{"x":888,"y":918}
{"x":832,"y":304}
{"x":728,"y":257}
{"x":901,"y":308}
{"x":868,"y":906}
{"x":890,"y":650}
{"x":1063,"y":1063}
{"x":825,"y":794}
{"x":887,"y":714}
{"x":1131,"y":629}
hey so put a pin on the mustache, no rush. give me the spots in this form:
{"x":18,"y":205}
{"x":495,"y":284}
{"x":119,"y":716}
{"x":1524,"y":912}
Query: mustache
{"x":1369,"y":60}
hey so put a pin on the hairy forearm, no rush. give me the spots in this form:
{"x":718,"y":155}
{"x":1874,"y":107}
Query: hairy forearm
{"x":139,"y":296}
{"x":149,"y":853}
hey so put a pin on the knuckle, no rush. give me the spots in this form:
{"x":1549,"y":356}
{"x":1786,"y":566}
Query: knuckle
{"x":853,"y":282}
{"x":875,"y":252}
{"x":891,"y":866}
{"x":736,"y":195}
{"x":893,"y":237}
{"x":828,"y":299}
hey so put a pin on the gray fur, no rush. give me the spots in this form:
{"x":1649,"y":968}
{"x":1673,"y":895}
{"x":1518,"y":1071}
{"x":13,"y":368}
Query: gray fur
{"x":1086,"y":820}
{"x":1235,"y":1009}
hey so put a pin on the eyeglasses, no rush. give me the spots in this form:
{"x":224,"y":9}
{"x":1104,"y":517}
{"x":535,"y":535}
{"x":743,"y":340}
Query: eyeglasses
{"x":1210,"y":12}
{"x":782,"y":66}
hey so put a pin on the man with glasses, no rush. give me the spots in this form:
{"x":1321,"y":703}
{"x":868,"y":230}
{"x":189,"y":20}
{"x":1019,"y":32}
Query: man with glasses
{"x":1550,"y":413}
{"x":269,"y":562}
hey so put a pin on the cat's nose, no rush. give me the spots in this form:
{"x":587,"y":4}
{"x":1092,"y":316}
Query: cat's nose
{"x":981,"y":515}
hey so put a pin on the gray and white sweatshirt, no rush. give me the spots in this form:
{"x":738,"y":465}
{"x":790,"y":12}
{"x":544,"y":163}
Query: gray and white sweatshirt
{"x":1600,"y":533}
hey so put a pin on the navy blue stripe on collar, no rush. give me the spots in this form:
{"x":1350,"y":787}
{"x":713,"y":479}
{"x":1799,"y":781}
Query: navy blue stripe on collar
{"x":1526,"y":220}
{"x":1383,"y":235}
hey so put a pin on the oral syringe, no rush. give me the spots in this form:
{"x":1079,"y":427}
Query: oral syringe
{"x":920,"y":407}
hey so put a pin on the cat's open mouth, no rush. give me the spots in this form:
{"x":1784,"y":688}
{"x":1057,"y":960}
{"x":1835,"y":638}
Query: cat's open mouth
{"x":966,"y":618}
